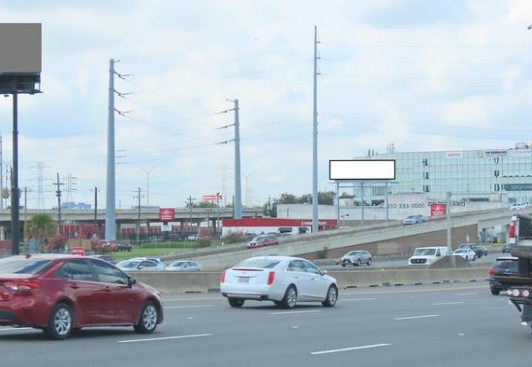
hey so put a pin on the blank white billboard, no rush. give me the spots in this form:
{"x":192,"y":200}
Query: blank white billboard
{"x":20,"y":48}
{"x":362,"y":169}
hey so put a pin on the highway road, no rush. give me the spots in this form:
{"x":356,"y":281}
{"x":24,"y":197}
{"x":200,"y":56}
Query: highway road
{"x":437,"y":325}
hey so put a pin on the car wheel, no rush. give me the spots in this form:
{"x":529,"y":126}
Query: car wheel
{"x":466,"y":258}
{"x":148,"y":319}
{"x":359,"y":262}
{"x":369,"y":261}
{"x":290,"y":297}
{"x":236,"y":302}
{"x":332,"y":296}
{"x":343,"y":265}
{"x":495,"y":291}
{"x":59,"y":322}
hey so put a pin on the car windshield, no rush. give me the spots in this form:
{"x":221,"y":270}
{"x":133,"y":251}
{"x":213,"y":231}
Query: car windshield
{"x":22,"y":265}
{"x":258,"y":263}
{"x":353,"y":253}
{"x":258,"y":239}
{"x":424,"y":252}
{"x":177,"y":263}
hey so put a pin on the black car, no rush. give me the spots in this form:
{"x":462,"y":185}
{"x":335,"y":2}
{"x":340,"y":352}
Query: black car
{"x":507,"y":247}
{"x":479,"y":250}
{"x":503,"y":266}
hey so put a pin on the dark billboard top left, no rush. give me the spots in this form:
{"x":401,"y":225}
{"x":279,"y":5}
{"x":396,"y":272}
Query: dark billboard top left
{"x":20,"y":48}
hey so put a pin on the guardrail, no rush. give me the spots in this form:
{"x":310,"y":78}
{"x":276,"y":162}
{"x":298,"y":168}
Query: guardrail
{"x":209,"y":281}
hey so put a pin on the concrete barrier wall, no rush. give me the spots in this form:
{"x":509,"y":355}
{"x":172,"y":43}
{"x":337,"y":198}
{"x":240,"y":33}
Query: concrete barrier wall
{"x":200,"y":282}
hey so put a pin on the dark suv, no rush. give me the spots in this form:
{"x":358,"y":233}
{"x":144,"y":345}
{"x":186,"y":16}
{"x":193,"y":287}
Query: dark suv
{"x":503,"y":266}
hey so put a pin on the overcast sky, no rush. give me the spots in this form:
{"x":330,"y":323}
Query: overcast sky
{"x":422,"y":75}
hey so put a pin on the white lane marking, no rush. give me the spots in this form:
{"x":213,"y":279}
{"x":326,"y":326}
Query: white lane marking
{"x":357,"y":299}
{"x":466,"y":294}
{"x":177,"y":307}
{"x":349,"y":349}
{"x":164,"y":338}
{"x":415,"y":317}
{"x":292,"y":312}
{"x":447,"y":303}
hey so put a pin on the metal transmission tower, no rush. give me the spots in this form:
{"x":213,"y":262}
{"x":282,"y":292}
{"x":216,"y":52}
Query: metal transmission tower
{"x":238,"y":185}
{"x":71,"y":187}
{"x":110,"y":208}
{"x":40,"y":185}
{"x":315,"y":226}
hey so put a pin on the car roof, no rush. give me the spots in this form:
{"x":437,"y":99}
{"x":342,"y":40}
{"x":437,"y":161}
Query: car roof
{"x":506,"y":258}
{"x":278,"y":257}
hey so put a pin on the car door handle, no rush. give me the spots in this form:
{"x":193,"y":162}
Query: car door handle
{"x":107,"y":289}
{"x":74,"y":286}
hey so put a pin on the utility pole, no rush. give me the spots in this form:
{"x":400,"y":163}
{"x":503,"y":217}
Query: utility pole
{"x":110,"y":208}
{"x":95,"y":206}
{"x":58,"y":194}
{"x":315,"y":224}
{"x":190,"y":205}
{"x":138,"y":221}
{"x":238,"y":184}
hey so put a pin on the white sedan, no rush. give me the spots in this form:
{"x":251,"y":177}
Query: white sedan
{"x":467,"y":253}
{"x":285,"y":280}
{"x":184,"y":265}
{"x":139,"y":265}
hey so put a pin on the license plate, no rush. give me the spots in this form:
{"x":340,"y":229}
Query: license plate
{"x":243,"y":280}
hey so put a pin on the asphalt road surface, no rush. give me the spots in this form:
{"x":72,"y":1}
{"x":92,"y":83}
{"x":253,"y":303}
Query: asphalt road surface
{"x":443,"y":325}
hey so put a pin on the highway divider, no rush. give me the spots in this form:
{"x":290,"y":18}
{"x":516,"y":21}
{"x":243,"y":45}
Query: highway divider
{"x":209,"y":281}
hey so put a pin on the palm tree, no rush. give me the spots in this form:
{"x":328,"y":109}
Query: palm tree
{"x":40,"y":226}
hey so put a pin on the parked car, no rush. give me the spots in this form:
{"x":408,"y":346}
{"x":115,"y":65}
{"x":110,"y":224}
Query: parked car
{"x":184,"y":265}
{"x":466,"y":252}
{"x":285,"y":280}
{"x":123,"y":246}
{"x":413,"y":219}
{"x":263,"y":241}
{"x":356,"y":257}
{"x":62,"y":293}
{"x":507,"y":247}
{"x":139,"y":265}
{"x":479,"y":250}
{"x":503,"y":266}
{"x":518,"y":206}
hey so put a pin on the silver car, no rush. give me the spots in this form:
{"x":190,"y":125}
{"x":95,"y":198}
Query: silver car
{"x":356,"y":257}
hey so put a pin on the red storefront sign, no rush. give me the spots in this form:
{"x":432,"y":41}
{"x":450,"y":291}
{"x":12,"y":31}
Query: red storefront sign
{"x":80,"y":251}
{"x":438,"y":210}
{"x":166,"y":214}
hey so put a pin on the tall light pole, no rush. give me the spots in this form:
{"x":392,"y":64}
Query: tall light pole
{"x":148,"y":171}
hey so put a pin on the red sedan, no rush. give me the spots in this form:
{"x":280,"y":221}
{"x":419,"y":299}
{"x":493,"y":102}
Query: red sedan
{"x":62,"y":293}
{"x":263,"y":241}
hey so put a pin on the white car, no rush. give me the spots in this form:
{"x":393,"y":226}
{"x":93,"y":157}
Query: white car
{"x":518,"y":206}
{"x":413,"y":219}
{"x":285,"y":280}
{"x":184,"y":265}
{"x":139,"y":265}
{"x":466,"y":252}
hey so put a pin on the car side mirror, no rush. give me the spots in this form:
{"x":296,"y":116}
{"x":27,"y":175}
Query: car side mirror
{"x":131,"y":281}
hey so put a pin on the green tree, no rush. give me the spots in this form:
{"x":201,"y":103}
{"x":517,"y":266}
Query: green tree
{"x":40,"y":226}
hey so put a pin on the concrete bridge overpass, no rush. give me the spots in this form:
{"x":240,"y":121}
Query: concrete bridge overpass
{"x":380,"y":239}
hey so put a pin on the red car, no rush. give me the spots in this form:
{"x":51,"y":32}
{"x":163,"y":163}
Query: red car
{"x":263,"y":241}
{"x":62,"y":293}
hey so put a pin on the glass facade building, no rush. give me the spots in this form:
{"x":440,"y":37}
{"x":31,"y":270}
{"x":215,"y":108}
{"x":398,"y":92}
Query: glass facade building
{"x":491,"y":175}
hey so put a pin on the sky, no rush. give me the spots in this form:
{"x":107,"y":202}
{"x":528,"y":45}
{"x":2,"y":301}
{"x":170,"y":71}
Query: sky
{"x":415,"y":75}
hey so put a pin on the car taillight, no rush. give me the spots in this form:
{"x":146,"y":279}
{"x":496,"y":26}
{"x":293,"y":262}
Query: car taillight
{"x":271,"y":277}
{"x":222,"y":277}
{"x":21,"y":286}
{"x":493,"y":272}
{"x":511,"y":230}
